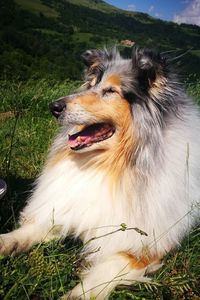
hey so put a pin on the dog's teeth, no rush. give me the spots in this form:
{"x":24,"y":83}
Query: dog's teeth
{"x":72,"y":131}
{"x":78,"y":139}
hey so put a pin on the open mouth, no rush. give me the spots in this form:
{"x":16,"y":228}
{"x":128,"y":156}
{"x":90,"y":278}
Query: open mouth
{"x":91,"y":134}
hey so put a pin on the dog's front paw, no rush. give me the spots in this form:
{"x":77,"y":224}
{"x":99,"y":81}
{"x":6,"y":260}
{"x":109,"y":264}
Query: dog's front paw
{"x":77,"y":294}
{"x":8,"y":244}
{"x":85,"y":292}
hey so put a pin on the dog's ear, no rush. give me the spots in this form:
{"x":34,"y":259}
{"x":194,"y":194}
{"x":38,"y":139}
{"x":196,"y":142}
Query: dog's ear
{"x":92,"y":57}
{"x":147,"y":66}
{"x":94,"y":61}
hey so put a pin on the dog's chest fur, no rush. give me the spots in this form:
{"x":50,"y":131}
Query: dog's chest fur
{"x":84,"y":203}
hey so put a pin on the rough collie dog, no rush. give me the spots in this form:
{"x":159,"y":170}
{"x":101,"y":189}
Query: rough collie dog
{"x":126,"y":162}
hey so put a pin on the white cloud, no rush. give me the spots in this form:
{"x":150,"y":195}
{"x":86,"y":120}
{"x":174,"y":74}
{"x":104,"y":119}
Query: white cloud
{"x":158,"y":15}
{"x":152,"y":12}
{"x":151,"y":8}
{"x":190,"y":15}
{"x":131,"y":7}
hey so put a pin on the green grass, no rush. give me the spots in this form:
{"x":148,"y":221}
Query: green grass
{"x":48,"y":32}
{"x":82,"y":36}
{"x":36,"y":6}
{"x":95,"y":40}
{"x":99,"y":5}
{"x":193,"y":87}
{"x":31,"y":122}
{"x":47,"y":271}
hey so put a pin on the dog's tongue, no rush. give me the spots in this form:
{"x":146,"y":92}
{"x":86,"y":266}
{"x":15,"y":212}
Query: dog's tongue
{"x":89,"y":135}
{"x":76,"y":140}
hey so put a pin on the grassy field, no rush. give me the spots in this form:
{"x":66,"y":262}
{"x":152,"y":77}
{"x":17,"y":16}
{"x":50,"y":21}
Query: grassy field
{"x":37,"y":7}
{"x":100,"y":5}
{"x":47,"y":271}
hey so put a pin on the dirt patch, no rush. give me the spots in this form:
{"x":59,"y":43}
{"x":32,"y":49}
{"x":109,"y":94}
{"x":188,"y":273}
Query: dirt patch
{"x":6,"y":115}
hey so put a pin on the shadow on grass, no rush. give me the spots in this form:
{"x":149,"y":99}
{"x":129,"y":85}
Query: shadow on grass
{"x":10,"y":205}
{"x":19,"y":190}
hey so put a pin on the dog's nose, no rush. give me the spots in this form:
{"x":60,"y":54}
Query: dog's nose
{"x":57,"y":107}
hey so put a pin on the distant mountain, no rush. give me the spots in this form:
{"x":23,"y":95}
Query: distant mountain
{"x":44,"y":38}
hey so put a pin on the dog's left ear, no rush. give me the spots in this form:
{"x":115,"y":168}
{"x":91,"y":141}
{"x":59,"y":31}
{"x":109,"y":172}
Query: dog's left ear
{"x":92,"y":56}
{"x":94,"y":61}
{"x":147,"y":66}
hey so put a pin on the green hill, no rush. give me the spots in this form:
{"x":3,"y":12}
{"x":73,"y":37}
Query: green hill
{"x":44,"y":38}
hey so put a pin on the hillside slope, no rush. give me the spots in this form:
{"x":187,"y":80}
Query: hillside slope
{"x":44,"y":38}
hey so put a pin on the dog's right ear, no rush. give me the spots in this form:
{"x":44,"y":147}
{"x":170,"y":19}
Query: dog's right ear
{"x":148,"y":65}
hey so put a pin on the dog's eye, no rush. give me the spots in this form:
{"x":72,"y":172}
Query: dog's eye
{"x":109,"y":91}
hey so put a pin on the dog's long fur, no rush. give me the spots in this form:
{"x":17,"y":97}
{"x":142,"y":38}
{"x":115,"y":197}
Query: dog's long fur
{"x":145,"y":174}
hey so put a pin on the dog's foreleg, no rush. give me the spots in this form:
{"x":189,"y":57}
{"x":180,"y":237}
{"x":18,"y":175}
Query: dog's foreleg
{"x":23,"y":238}
{"x":101,"y":279}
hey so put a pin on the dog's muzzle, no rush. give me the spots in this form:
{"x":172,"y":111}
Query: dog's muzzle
{"x":57,"y":107}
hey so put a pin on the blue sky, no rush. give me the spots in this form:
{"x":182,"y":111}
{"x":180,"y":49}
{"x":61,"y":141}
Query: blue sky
{"x":180,"y":11}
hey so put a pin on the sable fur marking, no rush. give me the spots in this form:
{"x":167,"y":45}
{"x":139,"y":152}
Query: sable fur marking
{"x":128,"y":140}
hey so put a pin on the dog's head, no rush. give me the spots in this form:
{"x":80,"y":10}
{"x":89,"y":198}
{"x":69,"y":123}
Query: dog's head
{"x":101,"y":114}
